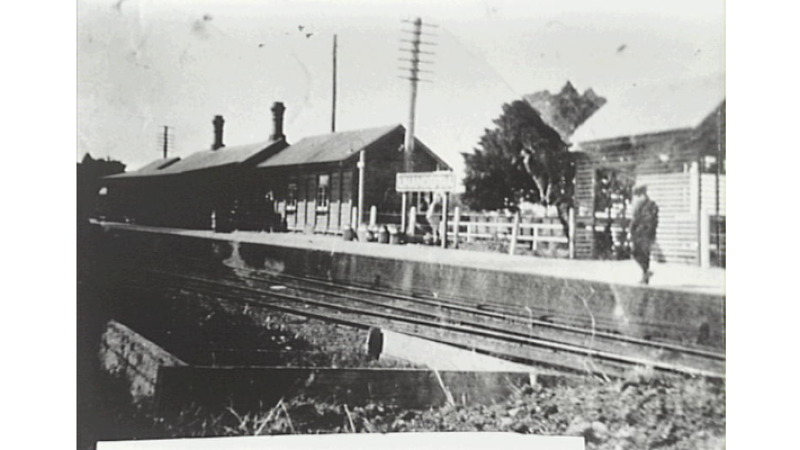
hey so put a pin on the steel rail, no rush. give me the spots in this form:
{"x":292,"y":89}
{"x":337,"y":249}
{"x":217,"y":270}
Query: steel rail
{"x":520,"y":319}
{"x":553,"y":346}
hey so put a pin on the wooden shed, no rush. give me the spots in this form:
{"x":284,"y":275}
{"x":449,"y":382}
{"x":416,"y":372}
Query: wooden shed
{"x":310,"y":186}
{"x":683,"y":168}
{"x":122,"y":197}
{"x":201,"y":191}
{"x":315,"y":182}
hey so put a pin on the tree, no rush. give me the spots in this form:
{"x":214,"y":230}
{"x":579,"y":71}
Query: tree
{"x":90,"y":173}
{"x":522,"y":159}
{"x":612,"y":193}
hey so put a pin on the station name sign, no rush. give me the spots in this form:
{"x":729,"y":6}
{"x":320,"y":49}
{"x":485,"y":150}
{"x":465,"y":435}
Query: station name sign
{"x":426,"y":181}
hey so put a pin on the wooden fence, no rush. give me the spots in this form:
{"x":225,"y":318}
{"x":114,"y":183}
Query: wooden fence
{"x":514,"y":230}
{"x":712,"y":240}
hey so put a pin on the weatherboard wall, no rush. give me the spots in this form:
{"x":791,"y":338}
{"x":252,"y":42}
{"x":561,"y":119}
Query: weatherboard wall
{"x":668,"y":164}
{"x":383,"y":160}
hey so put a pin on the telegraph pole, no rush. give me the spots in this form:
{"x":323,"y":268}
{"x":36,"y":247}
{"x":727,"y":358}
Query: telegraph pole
{"x":720,"y":159}
{"x":333,"y":109}
{"x":164,"y":141}
{"x":414,"y":71}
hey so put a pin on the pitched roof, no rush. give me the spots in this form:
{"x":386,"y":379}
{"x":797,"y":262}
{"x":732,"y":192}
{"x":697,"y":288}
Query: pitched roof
{"x":314,"y":149}
{"x":206,"y":159}
{"x":224,"y":156}
{"x":710,"y":134}
{"x":154,"y":166}
{"x":330,"y":147}
{"x":654,"y":108}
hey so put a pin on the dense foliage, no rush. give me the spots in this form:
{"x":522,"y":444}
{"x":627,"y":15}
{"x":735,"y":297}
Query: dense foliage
{"x":90,"y":172}
{"x":637,"y":413}
{"x":522,"y":159}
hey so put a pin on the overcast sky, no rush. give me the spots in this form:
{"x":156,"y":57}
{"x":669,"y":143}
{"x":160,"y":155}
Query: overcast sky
{"x":145,"y":64}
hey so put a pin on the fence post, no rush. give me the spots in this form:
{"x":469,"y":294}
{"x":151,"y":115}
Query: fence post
{"x":412,"y":221}
{"x":456,"y":225}
{"x":695,"y":205}
{"x":535,"y":239}
{"x":514,"y":234}
{"x":403,"y":212}
{"x":443,"y":225}
{"x":354,"y":217}
{"x":571,"y":230}
{"x":373,"y":215}
{"x":705,"y":240}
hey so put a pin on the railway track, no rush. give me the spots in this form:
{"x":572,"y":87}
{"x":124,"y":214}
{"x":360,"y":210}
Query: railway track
{"x":507,"y":335}
{"x":528,"y":313}
{"x":530,"y":317}
{"x":508,"y":315}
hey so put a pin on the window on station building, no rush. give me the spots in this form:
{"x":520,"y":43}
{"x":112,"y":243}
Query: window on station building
{"x":323,"y":191}
{"x":613,"y":192}
{"x":710,"y":164}
{"x":291,"y":196}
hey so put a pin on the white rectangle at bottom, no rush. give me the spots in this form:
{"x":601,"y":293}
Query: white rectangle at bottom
{"x":388,"y":441}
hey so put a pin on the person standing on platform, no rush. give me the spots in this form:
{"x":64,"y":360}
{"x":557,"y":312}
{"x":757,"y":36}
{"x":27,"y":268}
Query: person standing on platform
{"x":434,"y":216}
{"x":643,"y":230}
{"x":269,"y":214}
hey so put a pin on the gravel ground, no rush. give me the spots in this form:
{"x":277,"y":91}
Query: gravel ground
{"x":642,"y":412}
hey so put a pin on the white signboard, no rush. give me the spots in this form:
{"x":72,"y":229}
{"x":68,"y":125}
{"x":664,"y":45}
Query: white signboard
{"x":426,"y":181}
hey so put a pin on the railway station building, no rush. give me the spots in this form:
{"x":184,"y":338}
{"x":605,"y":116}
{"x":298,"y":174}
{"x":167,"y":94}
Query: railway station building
{"x":315,"y":182}
{"x":311,"y":186}
{"x":672,"y":140}
{"x":200,"y":191}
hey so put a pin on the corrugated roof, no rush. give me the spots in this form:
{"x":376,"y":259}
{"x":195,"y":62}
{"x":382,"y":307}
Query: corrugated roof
{"x":710,"y":134}
{"x":655,"y":108}
{"x":154,"y":166}
{"x":314,"y":149}
{"x":328,"y":147}
{"x":208,"y":159}
{"x":205,"y":159}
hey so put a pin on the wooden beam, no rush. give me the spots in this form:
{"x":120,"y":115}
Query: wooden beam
{"x":438,"y":356}
{"x":514,"y":234}
{"x":443,"y":224}
{"x":456,"y":225}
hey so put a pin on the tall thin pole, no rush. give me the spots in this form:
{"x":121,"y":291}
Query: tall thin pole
{"x":362,"y":165}
{"x":720,"y":144}
{"x":414,"y":71}
{"x":409,"y":138}
{"x":166,"y":141}
{"x":702,"y":246}
{"x":333,"y":108}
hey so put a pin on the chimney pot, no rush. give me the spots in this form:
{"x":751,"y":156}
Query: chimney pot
{"x":277,"y":122}
{"x":219,"y":123}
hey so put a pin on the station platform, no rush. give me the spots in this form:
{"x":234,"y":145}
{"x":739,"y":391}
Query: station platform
{"x":683,"y":303}
{"x":675,"y":277}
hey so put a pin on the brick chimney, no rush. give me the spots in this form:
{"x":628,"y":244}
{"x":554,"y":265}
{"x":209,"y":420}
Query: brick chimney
{"x":218,"y":122}
{"x":277,"y":122}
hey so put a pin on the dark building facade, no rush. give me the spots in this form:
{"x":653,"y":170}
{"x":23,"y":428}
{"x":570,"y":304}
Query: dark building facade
{"x":199,"y":191}
{"x":311,"y":186}
{"x":315,"y":182}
